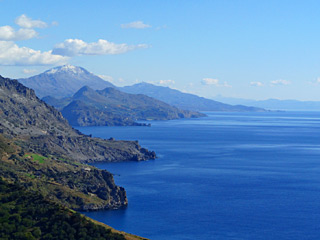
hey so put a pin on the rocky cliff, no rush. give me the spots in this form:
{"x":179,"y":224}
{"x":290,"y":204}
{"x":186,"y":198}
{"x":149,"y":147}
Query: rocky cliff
{"x":36,"y":126}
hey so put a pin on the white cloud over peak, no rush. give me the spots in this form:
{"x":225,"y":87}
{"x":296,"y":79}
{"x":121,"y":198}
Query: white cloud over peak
{"x":215,"y":82}
{"x":26,"y":22}
{"x":256,"y":84}
{"x":166,"y":82}
{"x":75,"y":47}
{"x":7,"y":33}
{"x":106,"y":78}
{"x":280,"y":82}
{"x":136,"y":24}
{"x":210,"y":81}
{"x":12,"y":54}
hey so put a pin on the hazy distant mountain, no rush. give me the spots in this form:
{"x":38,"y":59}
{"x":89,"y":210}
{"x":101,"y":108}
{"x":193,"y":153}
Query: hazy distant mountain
{"x":184,"y":100}
{"x":274,"y":104}
{"x":63,"y":81}
{"x":109,"y":107}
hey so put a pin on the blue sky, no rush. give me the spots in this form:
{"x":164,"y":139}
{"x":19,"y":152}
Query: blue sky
{"x":247,"y":49}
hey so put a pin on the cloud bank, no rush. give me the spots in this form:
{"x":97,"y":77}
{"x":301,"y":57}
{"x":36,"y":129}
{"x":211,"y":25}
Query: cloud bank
{"x":12,"y":54}
{"x":76,"y":47}
{"x":7,"y":33}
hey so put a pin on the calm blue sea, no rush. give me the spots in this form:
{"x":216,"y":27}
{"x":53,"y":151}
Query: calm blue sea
{"x":226,"y":176}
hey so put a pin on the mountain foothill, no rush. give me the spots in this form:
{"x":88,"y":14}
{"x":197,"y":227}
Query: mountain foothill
{"x":87,"y":100}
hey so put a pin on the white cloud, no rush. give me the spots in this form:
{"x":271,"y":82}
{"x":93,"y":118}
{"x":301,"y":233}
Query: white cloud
{"x":316,"y":82}
{"x":12,"y":54}
{"x":256,"y":84}
{"x":280,"y":82}
{"x":75,"y":47}
{"x":210,"y":81}
{"x":7,"y":33}
{"x":136,"y":24}
{"x":26,"y":22}
{"x":29,"y":71}
{"x":215,"y":82}
{"x":166,"y":82}
{"x":106,"y":78}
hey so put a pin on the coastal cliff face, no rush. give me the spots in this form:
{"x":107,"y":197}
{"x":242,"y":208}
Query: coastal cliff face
{"x":40,"y":127}
{"x":43,"y":153}
{"x":69,"y":183}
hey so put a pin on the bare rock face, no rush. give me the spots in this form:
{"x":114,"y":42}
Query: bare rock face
{"x":40,"y":127}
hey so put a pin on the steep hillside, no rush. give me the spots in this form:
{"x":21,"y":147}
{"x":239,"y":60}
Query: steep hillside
{"x":109,"y":107}
{"x":63,"y":81}
{"x":69,"y":183}
{"x":27,"y":215}
{"x":185,"y":100}
{"x":39,"y":127}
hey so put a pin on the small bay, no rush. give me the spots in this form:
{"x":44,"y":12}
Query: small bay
{"x":225,"y":176}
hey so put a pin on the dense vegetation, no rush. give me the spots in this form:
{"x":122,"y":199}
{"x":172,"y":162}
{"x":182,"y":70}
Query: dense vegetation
{"x":42,"y":153}
{"x":27,"y":215}
{"x":70,"y":183}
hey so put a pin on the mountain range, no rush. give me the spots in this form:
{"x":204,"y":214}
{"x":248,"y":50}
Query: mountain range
{"x":43,"y":153}
{"x":62,"y":87}
{"x":274,"y":104}
{"x":185,"y":100}
{"x":109,"y":107}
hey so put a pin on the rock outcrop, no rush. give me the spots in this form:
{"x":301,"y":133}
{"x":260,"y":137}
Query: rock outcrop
{"x":36,"y":126}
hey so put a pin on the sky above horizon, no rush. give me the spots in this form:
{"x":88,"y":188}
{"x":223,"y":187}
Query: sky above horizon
{"x":243,"y":49}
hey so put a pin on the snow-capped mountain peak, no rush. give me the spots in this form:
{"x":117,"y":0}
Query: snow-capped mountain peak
{"x":64,"y":81}
{"x":66,"y":69}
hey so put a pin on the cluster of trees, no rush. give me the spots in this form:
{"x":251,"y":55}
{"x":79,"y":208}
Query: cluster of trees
{"x":27,"y":215}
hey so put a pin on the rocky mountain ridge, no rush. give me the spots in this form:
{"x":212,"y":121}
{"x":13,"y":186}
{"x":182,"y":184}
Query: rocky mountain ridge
{"x":111,"y":107}
{"x":38,"y":126}
{"x":185,"y":100}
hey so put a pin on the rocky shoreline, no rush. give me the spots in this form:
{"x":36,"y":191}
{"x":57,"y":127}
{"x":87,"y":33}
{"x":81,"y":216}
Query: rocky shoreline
{"x":47,"y":155}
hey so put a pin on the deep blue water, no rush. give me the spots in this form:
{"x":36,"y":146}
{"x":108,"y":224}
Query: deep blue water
{"x":226,"y":176}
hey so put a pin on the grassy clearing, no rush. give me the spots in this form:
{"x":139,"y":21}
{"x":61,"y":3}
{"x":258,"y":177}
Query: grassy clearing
{"x":36,"y":157}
